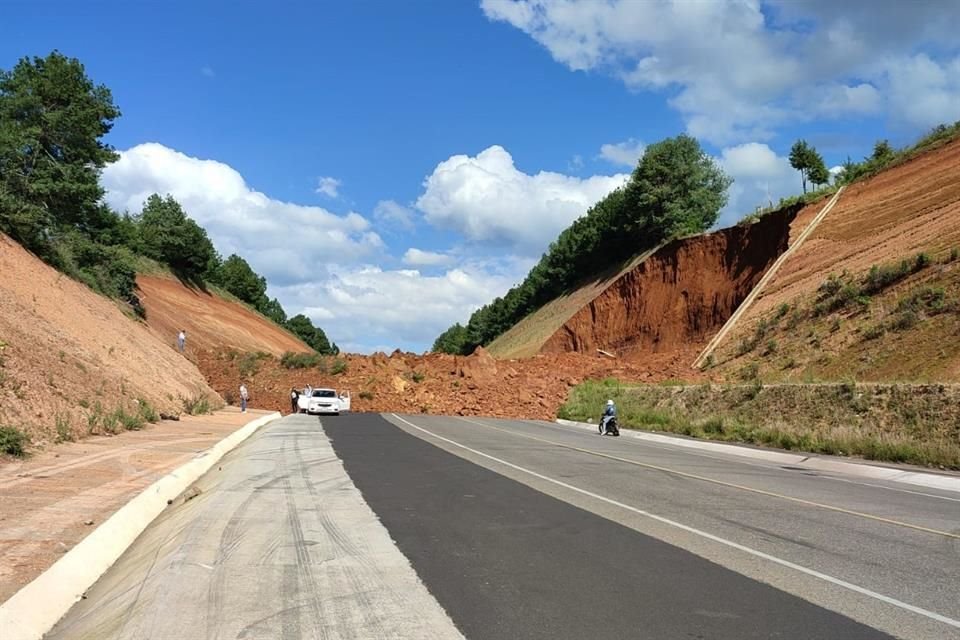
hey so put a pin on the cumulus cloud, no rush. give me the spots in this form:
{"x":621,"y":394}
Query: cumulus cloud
{"x":419,"y":258}
{"x":238,"y":218}
{"x":316,"y":262}
{"x":328,"y":186}
{"x":761,"y":178}
{"x":488,"y":200}
{"x":393,"y":213}
{"x":626,"y":153}
{"x":736,"y":70}
{"x":368,"y":308}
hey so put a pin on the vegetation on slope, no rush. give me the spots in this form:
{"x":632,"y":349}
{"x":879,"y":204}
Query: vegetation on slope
{"x":886,"y":324}
{"x":676,"y":189}
{"x":911,"y":423}
{"x":52,"y":121}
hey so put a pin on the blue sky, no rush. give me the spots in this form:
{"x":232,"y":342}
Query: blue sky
{"x":390,"y":166}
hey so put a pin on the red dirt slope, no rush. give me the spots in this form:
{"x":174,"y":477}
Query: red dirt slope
{"x":210,"y":321}
{"x":675,"y":298}
{"x":910,"y":208}
{"x":69,"y":355}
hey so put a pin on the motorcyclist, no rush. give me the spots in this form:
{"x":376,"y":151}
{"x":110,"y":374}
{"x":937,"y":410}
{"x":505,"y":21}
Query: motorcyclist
{"x":610,"y":412}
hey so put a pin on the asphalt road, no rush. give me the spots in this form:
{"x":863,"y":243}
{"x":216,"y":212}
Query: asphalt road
{"x":526,"y":530}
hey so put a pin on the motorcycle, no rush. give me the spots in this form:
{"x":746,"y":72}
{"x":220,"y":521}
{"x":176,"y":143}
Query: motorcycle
{"x":608,"y":426}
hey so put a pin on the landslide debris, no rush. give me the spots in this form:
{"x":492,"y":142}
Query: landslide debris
{"x":478,"y":384}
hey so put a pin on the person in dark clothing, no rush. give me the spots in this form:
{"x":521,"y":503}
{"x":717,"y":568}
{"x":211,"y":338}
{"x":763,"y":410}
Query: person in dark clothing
{"x":294,"y":398}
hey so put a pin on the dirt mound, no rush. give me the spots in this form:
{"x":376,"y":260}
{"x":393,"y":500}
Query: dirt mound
{"x":911,"y":208}
{"x":211,"y":322}
{"x":437,"y":383}
{"x":679,"y":295}
{"x":68,"y":355}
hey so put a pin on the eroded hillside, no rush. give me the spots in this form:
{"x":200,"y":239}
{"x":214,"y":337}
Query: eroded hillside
{"x":70,"y":358}
{"x":210,"y":321}
{"x":797,"y":329}
{"x":679,"y":295}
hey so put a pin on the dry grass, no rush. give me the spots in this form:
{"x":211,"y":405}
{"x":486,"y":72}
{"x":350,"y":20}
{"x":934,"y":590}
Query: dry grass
{"x":912,"y":423}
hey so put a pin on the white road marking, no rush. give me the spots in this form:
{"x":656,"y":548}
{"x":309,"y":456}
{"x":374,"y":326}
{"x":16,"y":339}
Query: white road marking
{"x":769,"y":466}
{"x":703,"y":534}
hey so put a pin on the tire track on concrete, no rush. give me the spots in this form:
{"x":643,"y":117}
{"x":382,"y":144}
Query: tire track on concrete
{"x":341,"y":541}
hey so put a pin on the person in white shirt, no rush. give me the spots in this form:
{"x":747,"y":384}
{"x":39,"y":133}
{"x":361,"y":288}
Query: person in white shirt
{"x":244,"y":396}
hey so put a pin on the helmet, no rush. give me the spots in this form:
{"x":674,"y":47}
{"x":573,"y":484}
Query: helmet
{"x":609,"y":403}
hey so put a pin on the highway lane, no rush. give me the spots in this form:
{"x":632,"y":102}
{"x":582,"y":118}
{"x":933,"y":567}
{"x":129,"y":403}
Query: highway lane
{"x":430,"y":527}
{"x":276,"y":542}
{"x":874,"y":552}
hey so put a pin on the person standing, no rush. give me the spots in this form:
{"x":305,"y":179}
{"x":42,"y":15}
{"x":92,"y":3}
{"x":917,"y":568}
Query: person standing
{"x":182,"y":340}
{"x":294,"y":396}
{"x":244,"y":396}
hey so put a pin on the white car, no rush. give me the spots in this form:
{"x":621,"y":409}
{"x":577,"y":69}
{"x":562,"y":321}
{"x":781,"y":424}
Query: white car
{"x":325,"y":402}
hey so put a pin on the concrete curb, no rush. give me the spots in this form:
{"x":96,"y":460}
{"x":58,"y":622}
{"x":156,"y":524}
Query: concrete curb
{"x":37,"y":607}
{"x":814,"y":462}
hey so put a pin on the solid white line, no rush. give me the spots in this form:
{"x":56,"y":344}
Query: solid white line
{"x":703,"y":534}
{"x":637,"y":439}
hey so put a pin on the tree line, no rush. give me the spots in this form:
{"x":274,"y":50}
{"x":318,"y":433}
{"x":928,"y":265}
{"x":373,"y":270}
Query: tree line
{"x":52,"y":122}
{"x":677,"y":189}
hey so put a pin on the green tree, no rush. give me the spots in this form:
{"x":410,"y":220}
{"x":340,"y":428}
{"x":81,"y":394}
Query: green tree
{"x":882,"y":152}
{"x":167,"y":234}
{"x":52,"y":120}
{"x":453,"y":340}
{"x":236,"y":276}
{"x":676,"y":189}
{"x":800,"y":160}
{"x":303,"y":328}
{"x":273,"y":310}
{"x":818,"y":172}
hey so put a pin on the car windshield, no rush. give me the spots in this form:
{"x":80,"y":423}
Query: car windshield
{"x":324,"y":393}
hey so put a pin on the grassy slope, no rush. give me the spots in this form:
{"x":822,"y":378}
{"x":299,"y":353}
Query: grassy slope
{"x":528,"y":336}
{"x":910,"y":330}
{"x":917,"y":424}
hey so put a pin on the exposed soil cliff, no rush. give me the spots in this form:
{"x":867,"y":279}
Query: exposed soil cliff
{"x":679,"y":295}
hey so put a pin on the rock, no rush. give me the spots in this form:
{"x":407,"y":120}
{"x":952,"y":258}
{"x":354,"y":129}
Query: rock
{"x":88,"y":522}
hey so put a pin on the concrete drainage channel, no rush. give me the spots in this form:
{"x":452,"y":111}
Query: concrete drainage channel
{"x":36,"y":608}
{"x":798,"y":461}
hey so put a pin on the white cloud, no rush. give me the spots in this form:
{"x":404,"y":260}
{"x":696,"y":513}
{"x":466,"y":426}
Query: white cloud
{"x":283,"y":241}
{"x":365,"y":307}
{"x":419,"y":258}
{"x":487,"y":199}
{"x":736,"y":70}
{"x":761,"y":177}
{"x":328,"y":186}
{"x":393,"y":213}
{"x":207,"y":71}
{"x":626,"y":153}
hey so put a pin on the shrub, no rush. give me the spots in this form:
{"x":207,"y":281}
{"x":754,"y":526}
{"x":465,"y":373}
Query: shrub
{"x":771,"y":348}
{"x":904,"y":320}
{"x":418,"y":377}
{"x":64,"y":432}
{"x":13,"y":441}
{"x":196,"y":404}
{"x":874,"y":332}
{"x":339,"y":366}
{"x":129,"y":421}
{"x":782,"y":310}
{"x":931,"y":300}
{"x":366,"y":395}
{"x":292,"y":360}
{"x":249,"y":363}
{"x":750,"y":372}
{"x":954,"y":255}
{"x":146,"y":411}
